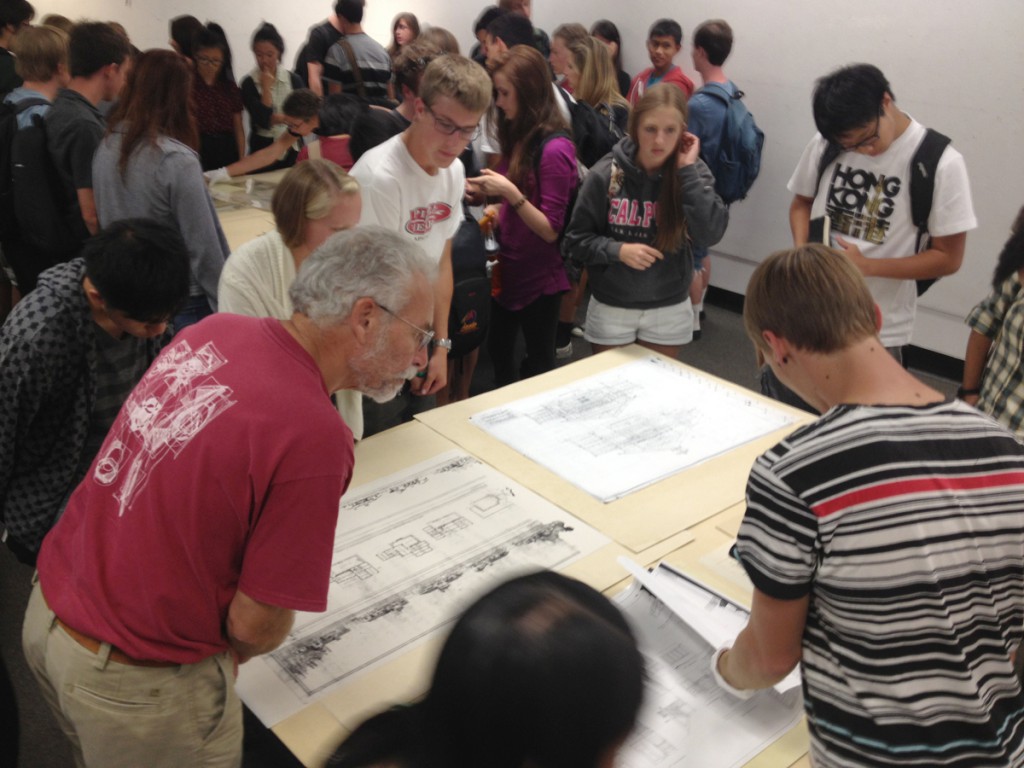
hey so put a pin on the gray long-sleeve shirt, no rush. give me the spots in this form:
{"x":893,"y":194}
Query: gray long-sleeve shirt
{"x":164,"y":181}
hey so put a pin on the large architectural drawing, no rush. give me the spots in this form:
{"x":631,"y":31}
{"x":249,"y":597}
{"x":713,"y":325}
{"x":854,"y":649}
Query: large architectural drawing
{"x":410,"y":552}
{"x":617,"y":431}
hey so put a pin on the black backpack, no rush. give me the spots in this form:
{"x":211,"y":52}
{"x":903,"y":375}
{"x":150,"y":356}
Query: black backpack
{"x":591,"y":131}
{"x":8,"y":128}
{"x":923,"y":166}
{"x":34,"y":233}
{"x":470,"y":312}
{"x":48,"y":224}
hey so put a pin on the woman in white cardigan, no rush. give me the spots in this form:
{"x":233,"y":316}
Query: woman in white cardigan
{"x":314,"y":200}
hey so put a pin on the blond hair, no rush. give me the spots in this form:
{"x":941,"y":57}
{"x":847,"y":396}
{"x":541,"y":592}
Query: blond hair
{"x":63,"y":23}
{"x":440,"y":37}
{"x":598,"y":84}
{"x":570,"y":33}
{"x":458,"y":78}
{"x":308,"y":192}
{"x":811,"y":296}
{"x":40,"y":52}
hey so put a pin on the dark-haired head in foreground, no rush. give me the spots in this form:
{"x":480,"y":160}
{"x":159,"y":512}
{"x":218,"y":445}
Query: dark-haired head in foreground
{"x":541,"y":671}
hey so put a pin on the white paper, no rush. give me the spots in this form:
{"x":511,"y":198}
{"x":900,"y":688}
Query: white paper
{"x":411,"y":551}
{"x":623,"y":429}
{"x":687,"y":721}
{"x":713,"y":617}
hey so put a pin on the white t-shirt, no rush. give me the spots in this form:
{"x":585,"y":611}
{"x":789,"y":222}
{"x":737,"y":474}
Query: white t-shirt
{"x":868,"y":202}
{"x":399,"y":195}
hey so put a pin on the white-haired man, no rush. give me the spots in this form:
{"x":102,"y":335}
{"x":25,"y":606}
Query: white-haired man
{"x":208,"y":516}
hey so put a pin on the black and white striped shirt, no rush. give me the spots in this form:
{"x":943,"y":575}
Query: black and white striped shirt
{"x":906,"y":527}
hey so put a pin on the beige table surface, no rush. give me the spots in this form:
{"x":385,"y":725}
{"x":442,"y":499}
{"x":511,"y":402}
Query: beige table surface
{"x":244,"y":224}
{"x":688,"y":520}
{"x":240,"y":222}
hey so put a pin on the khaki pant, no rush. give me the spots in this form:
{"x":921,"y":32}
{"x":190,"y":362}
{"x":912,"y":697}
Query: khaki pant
{"x":119,"y":715}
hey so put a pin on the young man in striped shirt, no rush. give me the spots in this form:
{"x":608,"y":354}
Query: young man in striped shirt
{"x":885,"y":541}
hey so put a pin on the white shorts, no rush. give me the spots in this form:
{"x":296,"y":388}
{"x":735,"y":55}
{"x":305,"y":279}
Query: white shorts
{"x":614,"y":326}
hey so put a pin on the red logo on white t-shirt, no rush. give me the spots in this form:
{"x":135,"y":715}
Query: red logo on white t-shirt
{"x":422,"y":219}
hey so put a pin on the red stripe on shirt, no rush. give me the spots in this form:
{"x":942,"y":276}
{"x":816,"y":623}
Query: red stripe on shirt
{"x":905,"y":487}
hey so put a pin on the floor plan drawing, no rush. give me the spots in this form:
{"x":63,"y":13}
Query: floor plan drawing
{"x":410,"y":552}
{"x":621,"y":430}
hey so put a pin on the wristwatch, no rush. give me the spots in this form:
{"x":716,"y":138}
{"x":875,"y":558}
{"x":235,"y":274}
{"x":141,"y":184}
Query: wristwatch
{"x":443,"y":344}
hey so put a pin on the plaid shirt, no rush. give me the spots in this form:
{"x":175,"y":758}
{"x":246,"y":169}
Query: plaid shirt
{"x":1000,"y":317}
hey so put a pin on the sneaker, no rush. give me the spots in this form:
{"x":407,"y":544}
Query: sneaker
{"x":577,"y":331}
{"x":564,"y":353}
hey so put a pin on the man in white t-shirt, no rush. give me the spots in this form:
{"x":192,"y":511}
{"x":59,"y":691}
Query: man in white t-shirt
{"x":866,"y":194}
{"x":413,"y":185}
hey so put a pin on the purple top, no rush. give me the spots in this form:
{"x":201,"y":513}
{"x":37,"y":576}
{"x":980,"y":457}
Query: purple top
{"x":530,"y":267}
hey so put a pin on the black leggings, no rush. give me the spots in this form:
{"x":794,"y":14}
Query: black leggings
{"x":538,"y":321}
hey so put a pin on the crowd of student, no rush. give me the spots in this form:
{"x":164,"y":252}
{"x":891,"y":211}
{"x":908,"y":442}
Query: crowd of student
{"x":592,"y":182}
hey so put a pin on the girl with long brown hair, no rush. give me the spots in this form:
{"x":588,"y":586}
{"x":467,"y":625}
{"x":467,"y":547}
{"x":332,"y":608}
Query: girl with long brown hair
{"x":148,"y":166}
{"x":535,"y":179}
{"x":639,"y":212}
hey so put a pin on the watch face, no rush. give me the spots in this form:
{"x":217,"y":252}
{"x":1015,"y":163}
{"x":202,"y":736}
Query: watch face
{"x":444,"y":343}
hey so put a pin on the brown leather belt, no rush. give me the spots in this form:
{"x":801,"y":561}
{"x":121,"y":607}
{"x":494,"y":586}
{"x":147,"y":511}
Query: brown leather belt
{"x":93,"y":645}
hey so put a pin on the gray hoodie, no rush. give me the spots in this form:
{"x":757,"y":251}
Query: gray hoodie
{"x":609,"y":214}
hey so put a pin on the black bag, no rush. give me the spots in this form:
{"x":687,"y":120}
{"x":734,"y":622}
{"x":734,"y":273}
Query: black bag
{"x":591,"y":131}
{"x":34,"y":242}
{"x":470,"y":312}
{"x":8,"y":128}
{"x":49,"y":224}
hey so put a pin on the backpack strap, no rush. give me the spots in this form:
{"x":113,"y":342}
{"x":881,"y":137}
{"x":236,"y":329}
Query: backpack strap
{"x":346,"y":46}
{"x":570,"y":102}
{"x":34,"y":101}
{"x":719,"y":92}
{"x":922,"y":180}
{"x":922,"y":189}
{"x":832,"y":151}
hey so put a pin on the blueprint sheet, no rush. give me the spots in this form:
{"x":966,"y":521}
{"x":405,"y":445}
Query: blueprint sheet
{"x":621,"y":430}
{"x":687,"y":720}
{"x":411,"y":551}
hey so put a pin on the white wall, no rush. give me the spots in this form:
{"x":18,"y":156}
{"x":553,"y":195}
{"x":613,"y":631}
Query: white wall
{"x":951,"y":68}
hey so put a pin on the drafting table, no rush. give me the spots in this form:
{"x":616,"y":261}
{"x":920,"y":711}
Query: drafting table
{"x":649,"y":525}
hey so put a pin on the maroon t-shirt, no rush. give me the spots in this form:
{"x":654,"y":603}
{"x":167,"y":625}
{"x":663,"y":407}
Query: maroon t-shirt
{"x":216,"y":105}
{"x":223,"y":471}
